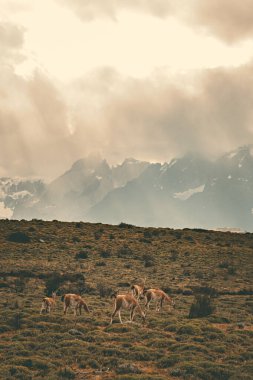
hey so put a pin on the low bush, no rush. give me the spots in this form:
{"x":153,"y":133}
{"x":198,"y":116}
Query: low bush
{"x":105,"y":254}
{"x":104,"y":290}
{"x":18,"y":237}
{"x":82,"y":255}
{"x":125,"y":225}
{"x":201,"y":307}
{"x":66,"y":373}
{"x":148,"y":260}
{"x":124,"y":251}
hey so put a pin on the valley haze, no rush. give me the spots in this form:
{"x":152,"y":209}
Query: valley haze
{"x":190,"y":191}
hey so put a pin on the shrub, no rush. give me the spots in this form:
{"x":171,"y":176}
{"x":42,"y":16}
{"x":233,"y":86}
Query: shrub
{"x":148,"y":260}
{"x":100,"y":264}
{"x":16,"y":321}
{"x":124,"y":251}
{"x":224,"y":264}
{"x":18,"y":237}
{"x":147,"y":234}
{"x":66,"y":373}
{"x":174,"y":255}
{"x":125,"y":225}
{"x":19,"y":372}
{"x":105,"y":253}
{"x":189,"y":330}
{"x":82,"y":255}
{"x":56,"y":280}
{"x":205,"y":290}
{"x":53,"y":282}
{"x":20,"y":284}
{"x":98,"y":234}
{"x":169,"y":361}
{"x":104,"y":290}
{"x":201,"y":307}
{"x":231,"y":270}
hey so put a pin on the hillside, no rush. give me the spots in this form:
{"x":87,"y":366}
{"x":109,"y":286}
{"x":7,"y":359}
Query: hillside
{"x":95,"y":260}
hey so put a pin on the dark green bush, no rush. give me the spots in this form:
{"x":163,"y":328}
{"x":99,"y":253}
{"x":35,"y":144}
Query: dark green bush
{"x":105,"y":253}
{"x":201,"y":307}
{"x":18,"y":237}
{"x":82,"y":255}
{"x":125,"y":225}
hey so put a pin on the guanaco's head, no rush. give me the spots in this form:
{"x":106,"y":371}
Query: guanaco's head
{"x":142,"y":296}
{"x":85,"y":306}
{"x":114,"y":294}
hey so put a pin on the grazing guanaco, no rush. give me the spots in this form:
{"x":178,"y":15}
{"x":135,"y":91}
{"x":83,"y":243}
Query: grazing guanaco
{"x":76,"y":302}
{"x":137,"y":290}
{"x":126,"y":301}
{"x":157,"y":295}
{"x":48,"y":303}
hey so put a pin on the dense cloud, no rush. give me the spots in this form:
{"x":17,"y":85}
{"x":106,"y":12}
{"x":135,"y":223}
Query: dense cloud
{"x":33,"y":116}
{"x":230,"y":20}
{"x":11,"y":41}
{"x":158,"y":118}
{"x":45,"y":127}
{"x":33,"y":126}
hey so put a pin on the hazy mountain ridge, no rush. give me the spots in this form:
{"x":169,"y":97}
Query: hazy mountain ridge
{"x":187,"y":192}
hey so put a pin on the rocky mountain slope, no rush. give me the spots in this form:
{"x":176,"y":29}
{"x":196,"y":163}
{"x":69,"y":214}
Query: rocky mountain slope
{"x":187,"y":192}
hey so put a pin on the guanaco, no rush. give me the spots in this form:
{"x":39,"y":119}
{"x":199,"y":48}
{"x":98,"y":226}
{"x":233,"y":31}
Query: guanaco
{"x":76,"y":302}
{"x":137,"y":290}
{"x":48,"y":303}
{"x":157,"y":295}
{"x":126,"y":301}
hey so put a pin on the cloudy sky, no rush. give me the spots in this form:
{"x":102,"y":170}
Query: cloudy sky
{"x":150,"y":79}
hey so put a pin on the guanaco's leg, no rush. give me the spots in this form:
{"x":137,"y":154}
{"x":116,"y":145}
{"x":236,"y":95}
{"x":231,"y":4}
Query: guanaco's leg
{"x":42,"y":308}
{"x":113,"y":314}
{"x":161,"y":303}
{"x":120,"y":316}
{"x":148,"y":299}
{"x":132,"y":313}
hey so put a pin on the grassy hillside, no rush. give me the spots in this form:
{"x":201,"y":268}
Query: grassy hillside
{"x":95,"y":260}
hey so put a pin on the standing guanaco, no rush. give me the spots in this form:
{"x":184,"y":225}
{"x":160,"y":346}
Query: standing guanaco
{"x":137,"y":290}
{"x":76,"y":302}
{"x":157,"y":295}
{"x":126,"y":301}
{"x":48,"y":303}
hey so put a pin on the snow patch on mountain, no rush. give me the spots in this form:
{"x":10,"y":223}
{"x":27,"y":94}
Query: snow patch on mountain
{"x":188,"y":193}
{"x":21,"y":194}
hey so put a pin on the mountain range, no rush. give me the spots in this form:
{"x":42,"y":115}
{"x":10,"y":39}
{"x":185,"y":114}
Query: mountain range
{"x":187,"y":192}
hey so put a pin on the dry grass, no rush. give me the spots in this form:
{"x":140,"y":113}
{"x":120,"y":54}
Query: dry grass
{"x":97,"y":259}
